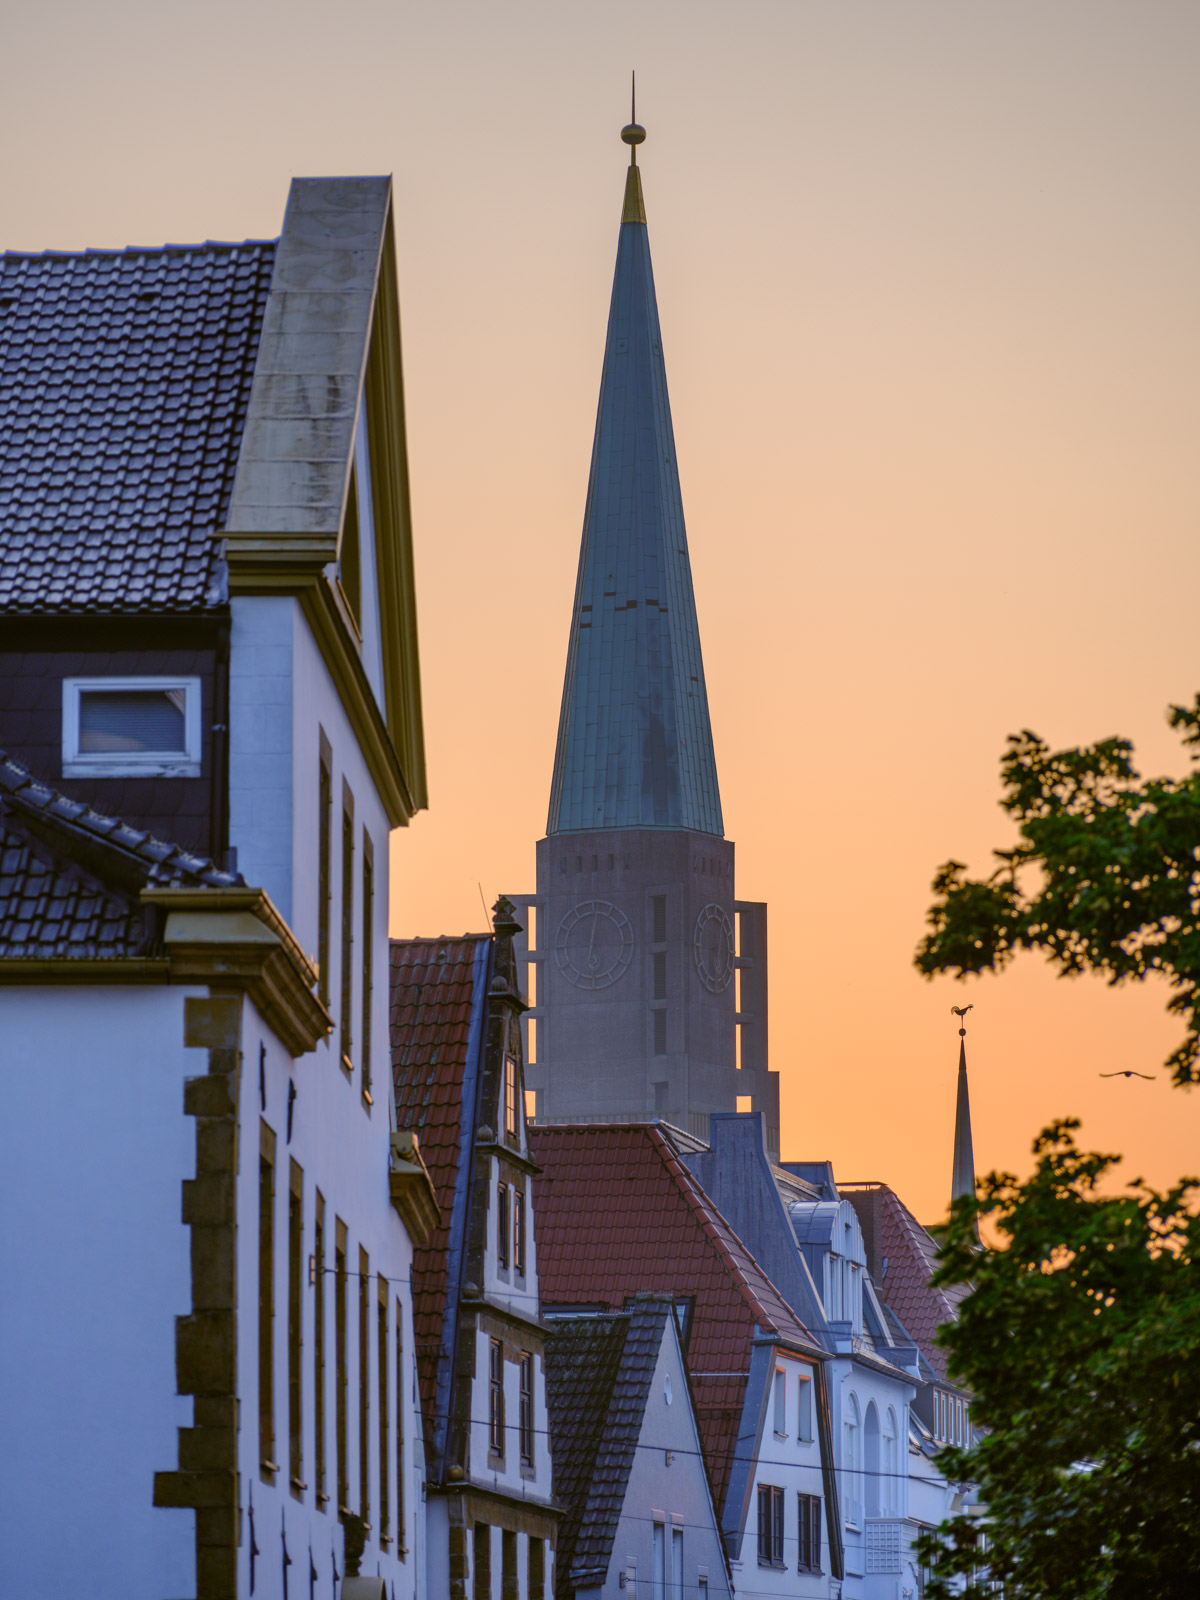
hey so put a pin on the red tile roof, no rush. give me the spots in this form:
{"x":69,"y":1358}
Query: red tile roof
{"x":911,"y":1254}
{"x":616,"y":1214}
{"x":432,"y":995}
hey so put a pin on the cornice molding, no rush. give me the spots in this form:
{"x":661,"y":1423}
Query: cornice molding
{"x":89,"y":969}
{"x":236,"y":939}
{"x":411,"y":1189}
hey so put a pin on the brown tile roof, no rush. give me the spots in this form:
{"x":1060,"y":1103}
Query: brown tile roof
{"x":124,"y":381}
{"x":911,"y":1252}
{"x":433,"y":993}
{"x":617,"y":1214}
{"x":70,"y":878}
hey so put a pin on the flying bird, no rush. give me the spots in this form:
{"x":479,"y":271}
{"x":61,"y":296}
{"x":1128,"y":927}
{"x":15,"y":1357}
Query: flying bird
{"x":1149,"y":1076}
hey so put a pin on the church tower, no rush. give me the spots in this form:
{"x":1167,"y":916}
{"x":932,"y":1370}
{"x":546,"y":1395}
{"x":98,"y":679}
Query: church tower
{"x":648,"y":980}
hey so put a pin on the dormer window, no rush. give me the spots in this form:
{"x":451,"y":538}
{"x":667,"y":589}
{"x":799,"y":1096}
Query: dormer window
{"x":131,"y":727}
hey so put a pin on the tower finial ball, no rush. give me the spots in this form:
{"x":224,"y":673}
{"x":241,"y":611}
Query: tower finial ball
{"x":633,"y":133}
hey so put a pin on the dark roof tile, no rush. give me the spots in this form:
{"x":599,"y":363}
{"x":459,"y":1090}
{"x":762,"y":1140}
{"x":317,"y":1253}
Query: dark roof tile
{"x":124,"y":381}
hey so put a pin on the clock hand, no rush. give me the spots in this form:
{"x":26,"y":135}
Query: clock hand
{"x":592,"y":959}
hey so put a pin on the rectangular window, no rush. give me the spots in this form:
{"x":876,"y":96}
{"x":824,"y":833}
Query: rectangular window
{"x":294,"y":1336}
{"x":519,"y":1231}
{"x":341,"y":1355}
{"x":502,"y":1225}
{"x":660,"y":1033}
{"x":658,"y":914}
{"x":508,"y":1566}
{"x":510,"y":1096}
{"x":770,"y":1525}
{"x":364,"y":1386}
{"x":676,"y":1564}
{"x":324,"y":867}
{"x":804,"y":1409}
{"x":660,"y":975}
{"x":266,"y":1303}
{"x":527,"y":1409}
{"x":537,"y":1569}
{"x":810,"y":1533}
{"x":483,"y":1561}
{"x":131,"y":727}
{"x":660,"y":1561}
{"x":401,"y":1525}
{"x":347,"y":1027}
{"x":319,"y":1349}
{"x":368,"y":961}
{"x":781,"y":1402}
{"x":381,"y":1357}
{"x":496,"y":1397}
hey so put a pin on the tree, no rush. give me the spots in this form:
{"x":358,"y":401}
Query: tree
{"x":1105,"y":876}
{"x":1080,"y":1341}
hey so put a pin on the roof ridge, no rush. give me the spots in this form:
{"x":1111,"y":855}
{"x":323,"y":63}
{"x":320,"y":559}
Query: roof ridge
{"x":135,"y":250}
{"x":705,"y":1210}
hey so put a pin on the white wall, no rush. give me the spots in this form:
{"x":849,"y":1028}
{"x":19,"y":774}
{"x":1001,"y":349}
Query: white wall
{"x":340,"y":1142}
{"x":95,"y":1267}
{"x":793,"y":1464}
{"x":678,"y":1493}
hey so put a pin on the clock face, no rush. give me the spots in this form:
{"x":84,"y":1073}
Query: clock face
{"x":594,"y":944}
{"x":712,"y":946}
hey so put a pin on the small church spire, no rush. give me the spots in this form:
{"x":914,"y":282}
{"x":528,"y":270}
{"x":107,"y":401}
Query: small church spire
{"x":963,"y":1180}
{"x":633,"y":134}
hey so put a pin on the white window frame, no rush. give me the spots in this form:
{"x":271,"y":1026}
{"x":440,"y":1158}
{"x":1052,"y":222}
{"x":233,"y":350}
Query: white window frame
{"x":126,"y":763}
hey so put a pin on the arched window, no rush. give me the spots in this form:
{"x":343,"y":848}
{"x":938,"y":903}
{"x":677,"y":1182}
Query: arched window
{"x":890,"y":1495}
{"x":852,"y":1459}
{"x":872,"y":1464}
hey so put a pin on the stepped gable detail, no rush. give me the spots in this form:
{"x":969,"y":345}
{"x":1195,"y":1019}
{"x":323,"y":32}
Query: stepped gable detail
{"x":124,"y":381}
{"x":618,"y":1215}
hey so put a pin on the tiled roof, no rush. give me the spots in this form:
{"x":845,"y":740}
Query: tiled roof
{"x":433,"y":991}
{"x":893,"y":1232}
{"x":618,"y":1214}
{"x":635,"y":744}
{"x":598,"y":1375}
{"x":124,"y":380}
{"x":70,"y":878}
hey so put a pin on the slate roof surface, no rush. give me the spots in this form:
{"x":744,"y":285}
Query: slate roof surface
{"x":70,"y":878}
{"x":582,"y":1358}
{"x":911,"y":1254}
{"x":124,"y":381}
{"x":635,"y":745}
{"x":619,"y":1214}
{"x":599,"y":1371}
{"x":432,"y":992}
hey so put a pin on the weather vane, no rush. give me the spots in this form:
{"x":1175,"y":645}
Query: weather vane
{"x":961,"y":1013}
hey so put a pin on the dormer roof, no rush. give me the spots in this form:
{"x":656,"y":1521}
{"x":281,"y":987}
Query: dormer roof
{"x":71,"y":878}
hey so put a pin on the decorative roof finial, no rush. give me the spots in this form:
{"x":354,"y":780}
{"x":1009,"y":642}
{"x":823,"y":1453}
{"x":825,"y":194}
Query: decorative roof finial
{"x":633,"y":133}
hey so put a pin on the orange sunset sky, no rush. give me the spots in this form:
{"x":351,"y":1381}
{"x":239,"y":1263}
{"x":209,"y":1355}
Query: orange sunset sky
{"x":929,"y":278}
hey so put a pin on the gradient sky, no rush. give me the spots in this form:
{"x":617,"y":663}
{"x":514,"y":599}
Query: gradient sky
{"x":928,"y":276}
